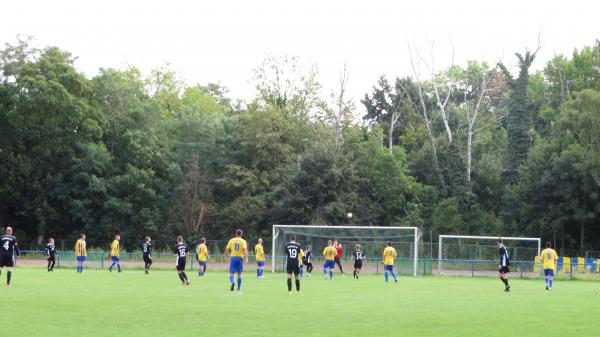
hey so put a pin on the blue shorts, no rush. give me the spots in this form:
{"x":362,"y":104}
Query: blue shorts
{"x":202,"y":263}
{"x":549,"y":272}
{"x":236,"y":265}
{"x":80,"y":258}
{"x":260,"y":263}
{"x":115,"y":258}
{"x":329,"y":264}
{"x":388,"y":267}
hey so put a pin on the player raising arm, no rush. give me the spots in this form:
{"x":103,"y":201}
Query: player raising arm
{"x":292,"y":251}
{"x":236,"y":254}
{"x":51,"y":253}
{"x":389,"y":255}
{"x":504,"y":263}
{"x":260,"y":258}
{"x":338,"y":255}
{"x":548,"y":258}
{"x":8,"y":250}
{"x":147,"y":250}
{"x":80,"y":252}
{"x":202,"y":256}
{"x":115,"y":253}
{"x":181,"y":250}
{"x":329,"y":254}
{"x":358,"y":258}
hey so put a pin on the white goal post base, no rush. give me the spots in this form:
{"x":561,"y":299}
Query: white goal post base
{"x":535,"y":242}
{"x":344,"y":232}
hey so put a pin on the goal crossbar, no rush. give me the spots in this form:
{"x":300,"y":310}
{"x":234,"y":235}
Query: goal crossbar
{"x":277,"y":228}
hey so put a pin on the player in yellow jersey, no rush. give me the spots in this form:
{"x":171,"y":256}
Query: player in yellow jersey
{"x":236,"y":254}
{"x":300,"y":257}
{"x":115,"y":253}
{"x":260,"y":258}
{"x":202,"y":256}
{"x":80,"y":252}
{"x":548,"y":258}
{"x":389,"y":255}
{"x":329,"y":254}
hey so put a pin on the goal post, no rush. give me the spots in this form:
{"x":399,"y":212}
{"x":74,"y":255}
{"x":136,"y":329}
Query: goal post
{"x":456,"y":248}
{"x":372,"y":239}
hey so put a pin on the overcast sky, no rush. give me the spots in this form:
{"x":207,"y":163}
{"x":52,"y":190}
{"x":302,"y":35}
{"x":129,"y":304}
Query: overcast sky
{"x":223,"y":40}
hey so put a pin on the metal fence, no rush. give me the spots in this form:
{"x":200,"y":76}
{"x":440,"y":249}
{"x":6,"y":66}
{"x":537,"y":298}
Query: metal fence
{"x":590,"y":269}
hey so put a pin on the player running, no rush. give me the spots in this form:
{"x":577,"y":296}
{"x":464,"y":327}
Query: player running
{"x":307,"y":260}
{"x":504,"y":263}
{"x":181,"y":250}
{"x":236,"y":254}
{"x":338,"y":255}
{"x":147,"y":250}
{"x":115,"y":253}
{"x":358,"y":257}
{"x":260,"y":258}
{"x":329,"y":256}
{"x":292,"y":251}
{"x":51,"y":254}
{"x":80,"y":252}
{"x":8,"y":250}
{"x":202,"y":256}
{"x":548,"y":258}
{"x":389,"y":255}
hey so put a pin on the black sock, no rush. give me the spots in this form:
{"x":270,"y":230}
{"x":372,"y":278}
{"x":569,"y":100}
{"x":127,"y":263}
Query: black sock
{"x":184,"y":276}
{"x":181,"y":277}
{"x":204,"y":270}
{"x":289,"y":284}
{"x":8,"y":275}
{"x":297,"y":285}
{"x":52,"y":266}
{"x":505,"y":281}
{"x":49,"y":262}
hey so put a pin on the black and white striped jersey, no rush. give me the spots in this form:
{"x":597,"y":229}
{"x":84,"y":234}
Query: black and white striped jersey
{"x":504,"y":261}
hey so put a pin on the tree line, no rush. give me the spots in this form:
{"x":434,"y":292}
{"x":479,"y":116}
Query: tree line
{"x":479,"y":149}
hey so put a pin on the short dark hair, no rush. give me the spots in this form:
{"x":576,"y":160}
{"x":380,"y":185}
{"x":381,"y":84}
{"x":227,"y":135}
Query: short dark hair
{"x":179,"y":238}
{"x":389,"y":243}
{"x":238,"y":232}
{"x":499,"y":240}
{"x":548,"y":244}
{"x":293,"y":237}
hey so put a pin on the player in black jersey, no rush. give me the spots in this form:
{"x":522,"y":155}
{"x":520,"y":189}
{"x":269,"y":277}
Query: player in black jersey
{"x":358,"y":257}
{"x":8,"y":249}
{"x":504,"y":263}
{"x":307,"y":260}
{"x":180,"y":250}
{"x":147,"y":250}
{"x":51,"y":253}
{"x":292,"y":250}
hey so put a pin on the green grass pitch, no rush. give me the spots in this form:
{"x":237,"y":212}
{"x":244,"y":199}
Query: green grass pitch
{"x":99,"y":303}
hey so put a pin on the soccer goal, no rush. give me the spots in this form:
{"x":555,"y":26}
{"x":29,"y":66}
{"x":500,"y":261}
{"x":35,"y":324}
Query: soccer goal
{"x":479,"y":254}
{"x":372,"y":239}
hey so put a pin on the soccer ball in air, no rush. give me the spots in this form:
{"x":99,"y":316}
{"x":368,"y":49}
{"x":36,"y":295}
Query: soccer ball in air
{"x":349,"y":215}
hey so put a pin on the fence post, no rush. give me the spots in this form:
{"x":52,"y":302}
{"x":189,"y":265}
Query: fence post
{"x":521,"y":266}
{"x":102,"y":260}
{"x":472,"y":269}
{"x":571,"y":271}
{"x":377,"y":266}
{"x":58,"y":261}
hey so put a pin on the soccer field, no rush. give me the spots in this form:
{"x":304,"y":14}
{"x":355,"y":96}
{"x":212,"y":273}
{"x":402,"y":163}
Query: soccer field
{"x":99,"y":303}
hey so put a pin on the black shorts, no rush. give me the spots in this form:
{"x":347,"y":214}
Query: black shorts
{"x":6,"y":261}
{"x":180,"y":264}
{"x":51,"y":258}
{"x":293,"y":268}
{"x":148,"y":259}
{"x":358,"y":264}
{"x":504,"y":270}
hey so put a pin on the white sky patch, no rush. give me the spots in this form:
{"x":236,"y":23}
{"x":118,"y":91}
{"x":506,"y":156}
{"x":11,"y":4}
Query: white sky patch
{"x":223,"y":41}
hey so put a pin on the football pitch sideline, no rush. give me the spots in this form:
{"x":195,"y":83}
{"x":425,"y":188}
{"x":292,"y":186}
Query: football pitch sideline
{"x":99,"y":303}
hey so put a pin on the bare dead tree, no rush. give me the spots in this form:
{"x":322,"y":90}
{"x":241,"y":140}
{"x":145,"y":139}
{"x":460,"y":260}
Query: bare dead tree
{"x":192,"y":200}
{"x":424,"y":111}
{"x":342,"y":106}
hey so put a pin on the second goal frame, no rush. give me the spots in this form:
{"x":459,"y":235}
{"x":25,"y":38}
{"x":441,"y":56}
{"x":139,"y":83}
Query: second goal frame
{"x":277,"y":229}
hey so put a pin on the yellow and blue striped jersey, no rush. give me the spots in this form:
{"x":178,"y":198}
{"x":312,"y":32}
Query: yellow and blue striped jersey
{"x":80,"y":249}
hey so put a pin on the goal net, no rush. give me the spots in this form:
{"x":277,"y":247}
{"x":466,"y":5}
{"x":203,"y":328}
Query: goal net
{"x":479,"y":255}
{"x":372,"y":240}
